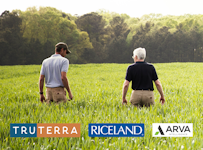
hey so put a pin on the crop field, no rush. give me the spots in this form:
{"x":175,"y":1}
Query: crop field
{"x":97,"y":91}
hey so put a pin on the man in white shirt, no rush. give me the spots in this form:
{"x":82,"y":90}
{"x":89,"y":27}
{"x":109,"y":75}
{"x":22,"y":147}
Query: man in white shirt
{"x":54,"y":71}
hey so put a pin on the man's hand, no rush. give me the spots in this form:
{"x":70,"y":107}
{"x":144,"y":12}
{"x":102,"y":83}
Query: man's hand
{"x":66,"y":84}
{"x":70,"y":95}
{"x":162,"y":100}
{"x":124,"y":102}
{"x":125,"y":89}
{"x":42,"y":98}
{"x":41,"y":85}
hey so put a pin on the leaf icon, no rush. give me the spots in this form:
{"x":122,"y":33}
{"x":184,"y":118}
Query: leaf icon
{"x":156,"y":133}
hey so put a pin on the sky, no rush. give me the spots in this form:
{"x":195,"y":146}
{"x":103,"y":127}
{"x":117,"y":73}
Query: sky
{"x":133,"y":8}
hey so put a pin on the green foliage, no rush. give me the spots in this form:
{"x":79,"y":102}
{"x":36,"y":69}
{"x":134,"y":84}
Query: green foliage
{"x":11,"y":39}
{"x":97,"y":90}
{"x":50,"y":25}
{"x":99,"y":37}
{"x":117,"y":46}
{"x":94,"y":25}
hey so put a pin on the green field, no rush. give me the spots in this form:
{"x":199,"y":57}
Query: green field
{"x":97,"y":91}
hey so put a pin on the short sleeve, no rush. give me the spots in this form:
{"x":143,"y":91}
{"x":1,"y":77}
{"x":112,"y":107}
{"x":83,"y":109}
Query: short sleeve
{"x":128,"y":75}
{"x":65,"y":66}
{"x":42,"y":72}
{"x":154,"y":74}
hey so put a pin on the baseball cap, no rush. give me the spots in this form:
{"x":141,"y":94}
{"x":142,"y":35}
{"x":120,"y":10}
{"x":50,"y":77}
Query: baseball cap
{"x":63,"y":45}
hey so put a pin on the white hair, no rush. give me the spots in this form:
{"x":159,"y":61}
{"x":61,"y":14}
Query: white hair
{"x":140,"y":53}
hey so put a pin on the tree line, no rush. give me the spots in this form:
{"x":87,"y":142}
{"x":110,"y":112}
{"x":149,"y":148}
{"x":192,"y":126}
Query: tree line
{"x":28,"y":37}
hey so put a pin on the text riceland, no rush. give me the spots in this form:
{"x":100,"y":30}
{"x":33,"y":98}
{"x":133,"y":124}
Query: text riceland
{"x":116,"y":130}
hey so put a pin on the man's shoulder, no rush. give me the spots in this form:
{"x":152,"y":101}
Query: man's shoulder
{"x":46,"y":59}
{"x":63,"y":59}
{"x":60,"y":58}
{"x":142,"y":64}
{"x":131,"y":65}
{"x":137,"y":64}
{"x":149,"y":64}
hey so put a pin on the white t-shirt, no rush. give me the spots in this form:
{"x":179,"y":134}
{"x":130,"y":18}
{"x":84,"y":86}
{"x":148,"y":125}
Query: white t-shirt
{"x":52,"y":68}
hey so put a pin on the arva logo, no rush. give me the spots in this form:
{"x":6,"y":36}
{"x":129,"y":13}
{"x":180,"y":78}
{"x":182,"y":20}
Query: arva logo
{"x":178,"y":129}
{"x":172,"y":130}
{"x":160,"y":131}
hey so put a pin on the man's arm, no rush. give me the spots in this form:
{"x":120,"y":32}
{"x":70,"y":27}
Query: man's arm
{"x":125,"y":90}
{"x":159,"y":88}
{"x":66,"y":85}
{"x":41,"y":85}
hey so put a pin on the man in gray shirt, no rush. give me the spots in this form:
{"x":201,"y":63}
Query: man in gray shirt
{"x":54,"y":71}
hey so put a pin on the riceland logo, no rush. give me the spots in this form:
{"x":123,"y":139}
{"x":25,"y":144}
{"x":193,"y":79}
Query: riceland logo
{"x":116,"y":130}
{"x":44,"y":130}
{"x":172,"y":130}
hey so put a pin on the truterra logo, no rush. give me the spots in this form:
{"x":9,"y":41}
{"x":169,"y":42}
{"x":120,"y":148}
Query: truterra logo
{"x":160,"y":131}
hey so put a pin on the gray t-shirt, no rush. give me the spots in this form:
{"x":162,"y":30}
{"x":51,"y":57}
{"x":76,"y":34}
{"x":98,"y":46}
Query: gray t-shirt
{"x":52,"y":68}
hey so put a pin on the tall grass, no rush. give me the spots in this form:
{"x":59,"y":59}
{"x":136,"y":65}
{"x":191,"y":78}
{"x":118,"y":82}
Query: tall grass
{"x":97,"y":91}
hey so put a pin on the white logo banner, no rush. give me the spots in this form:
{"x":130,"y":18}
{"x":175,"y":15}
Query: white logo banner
{"x":172,"y":130}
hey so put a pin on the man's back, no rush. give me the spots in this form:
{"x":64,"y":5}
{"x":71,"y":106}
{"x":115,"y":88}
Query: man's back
{"x":52,"y":68}
{"x":141,"y":74}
